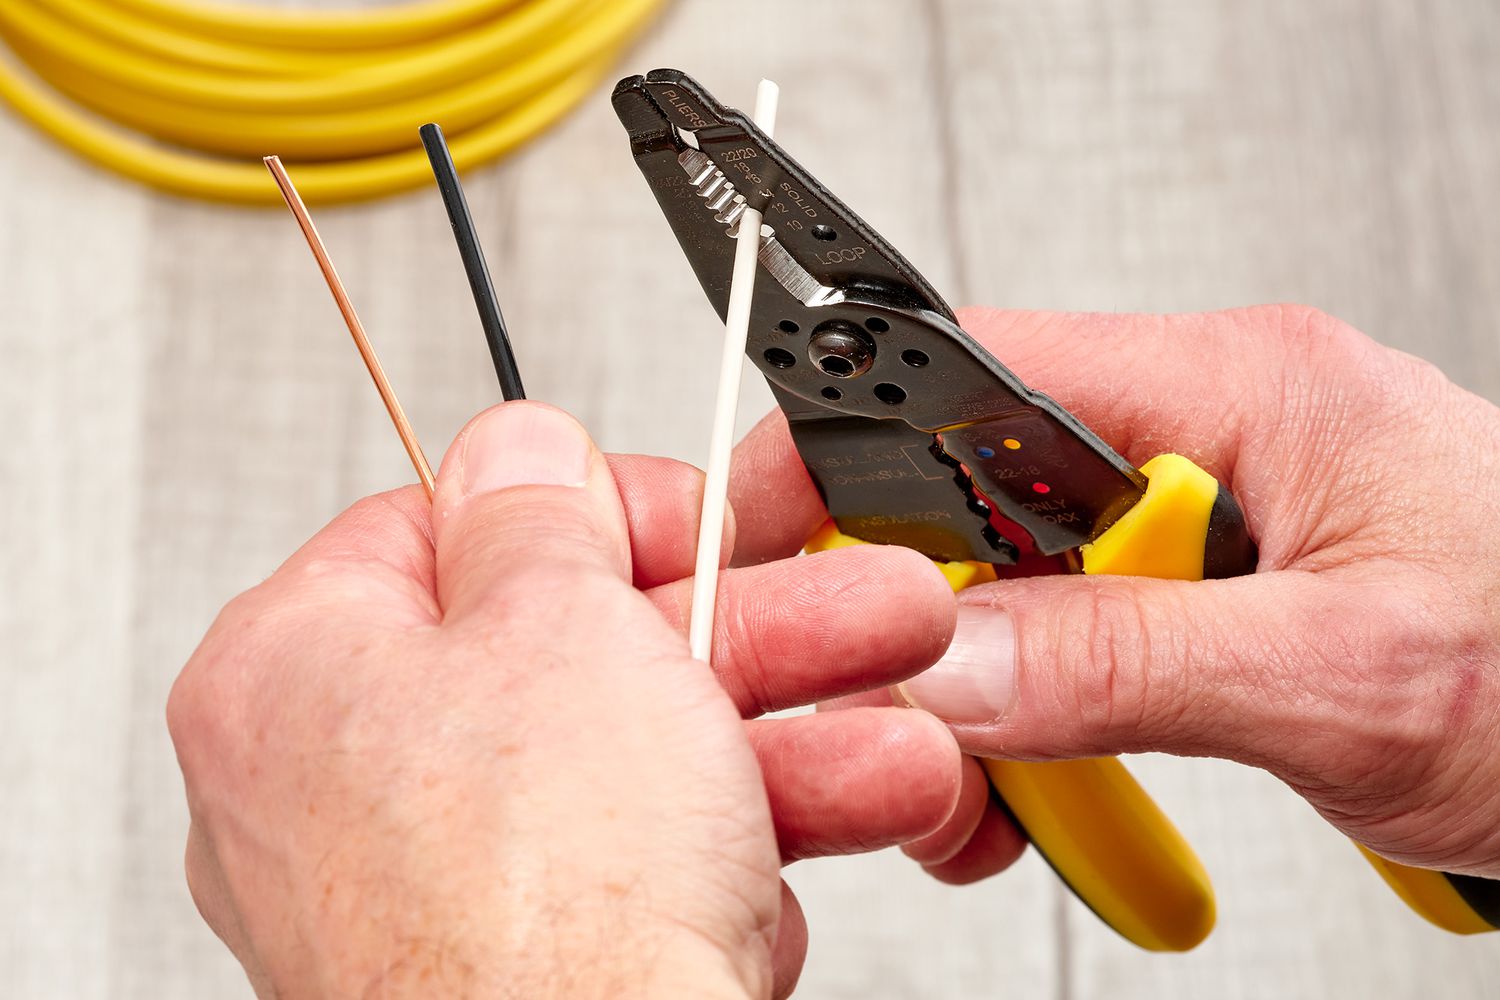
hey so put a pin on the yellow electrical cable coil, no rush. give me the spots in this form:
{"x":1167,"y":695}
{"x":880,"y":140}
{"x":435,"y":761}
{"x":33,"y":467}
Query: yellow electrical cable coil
{"x":211,"y":88}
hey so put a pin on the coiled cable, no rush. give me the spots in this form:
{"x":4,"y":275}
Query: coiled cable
{"x":209,"y":89}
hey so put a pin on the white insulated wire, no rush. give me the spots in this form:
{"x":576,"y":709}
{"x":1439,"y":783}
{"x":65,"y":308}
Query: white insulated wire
{"x":726,"y":406}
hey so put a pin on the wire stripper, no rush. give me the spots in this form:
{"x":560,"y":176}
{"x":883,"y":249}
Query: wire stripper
{"x":916,"y":436}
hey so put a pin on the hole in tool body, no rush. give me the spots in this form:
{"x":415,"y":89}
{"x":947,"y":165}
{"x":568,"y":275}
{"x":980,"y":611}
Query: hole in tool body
{"x":780,"y":358}
{"x":840,"y":350}
{"x":787,"y":326}
{"x":876,"y":325}
{"x":890,"y":393}
{"x":829,"y":392}
{"x":915,"y":358}
{"x":824,"y":233}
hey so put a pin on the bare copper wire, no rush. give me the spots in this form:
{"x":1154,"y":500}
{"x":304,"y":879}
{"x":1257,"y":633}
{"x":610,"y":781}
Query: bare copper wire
{"x":351,"y":318}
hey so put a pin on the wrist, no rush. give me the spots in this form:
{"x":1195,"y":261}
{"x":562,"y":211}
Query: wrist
{"x":397,"y":948}
{"x":619,"y":970}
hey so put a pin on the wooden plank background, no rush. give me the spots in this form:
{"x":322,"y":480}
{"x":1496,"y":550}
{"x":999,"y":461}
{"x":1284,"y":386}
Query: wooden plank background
{"x":182,"y":408}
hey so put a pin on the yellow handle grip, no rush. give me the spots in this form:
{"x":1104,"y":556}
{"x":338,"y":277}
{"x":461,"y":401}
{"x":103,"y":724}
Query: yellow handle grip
{"x":1164,"y":536}
{"x":1093,"y":823}
{"x":1113,"y":846}
{"x":1090,"y":820}
{"x":1460,"y":904}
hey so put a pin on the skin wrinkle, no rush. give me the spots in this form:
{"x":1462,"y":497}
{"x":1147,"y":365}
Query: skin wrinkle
{"x":1103,"y":695}
{"x":1312,"y":471}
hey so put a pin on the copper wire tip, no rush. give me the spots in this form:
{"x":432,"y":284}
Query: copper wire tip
{"x":351,"y":319}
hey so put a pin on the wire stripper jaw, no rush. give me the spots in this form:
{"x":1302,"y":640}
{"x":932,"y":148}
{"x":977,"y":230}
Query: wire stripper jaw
{"x":914,"y":434}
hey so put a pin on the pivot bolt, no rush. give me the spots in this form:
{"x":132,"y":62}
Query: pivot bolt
{"x":841,"y":350}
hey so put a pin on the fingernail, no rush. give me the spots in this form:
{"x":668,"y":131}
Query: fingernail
{"x":976,"y":678}
{"x":524,"y":445}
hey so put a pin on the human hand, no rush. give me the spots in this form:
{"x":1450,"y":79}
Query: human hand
{"x":453,"y":751}
{"x":1361,"y":664}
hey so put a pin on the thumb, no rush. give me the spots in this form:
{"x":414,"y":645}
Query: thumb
{"x":1090,"y":666}
{"x":523,"y":488}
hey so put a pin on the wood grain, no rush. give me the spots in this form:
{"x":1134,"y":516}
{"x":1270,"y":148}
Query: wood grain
{"x":184,"y":409}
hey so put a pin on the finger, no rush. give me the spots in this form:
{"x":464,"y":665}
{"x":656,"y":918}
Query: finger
{"x":777,"y":507}
{"x":998,"y":847}
{"x":522,"y":489}
{"x":812,"y":628}
{"x":854,"y":781}
{"x":1282,"y":670}
{"x":373,"y":562}
{"x":663,"y":500}
{"x":958,"y":829}
{"x":993,"y":847}
{"x":789,"y":953}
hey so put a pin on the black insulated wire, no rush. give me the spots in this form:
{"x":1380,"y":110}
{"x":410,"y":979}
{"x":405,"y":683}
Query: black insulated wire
{"x":478,"y":271}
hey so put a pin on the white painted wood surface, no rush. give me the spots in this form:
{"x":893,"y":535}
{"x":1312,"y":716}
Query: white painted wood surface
{"x":182,"y":408}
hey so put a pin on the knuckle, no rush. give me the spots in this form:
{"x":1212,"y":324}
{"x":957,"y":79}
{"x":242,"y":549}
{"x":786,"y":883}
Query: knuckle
{"x":185,"y":709}
{"x":1299,"y":326}
{"x":1103,"y":657}
{"x":225,"y":675}
{"x":334,"y":586}
{"x":202,"y":692}
{"x":367,"y":510}
{"x":313,"y":573}
{"x":1315,"y":351}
